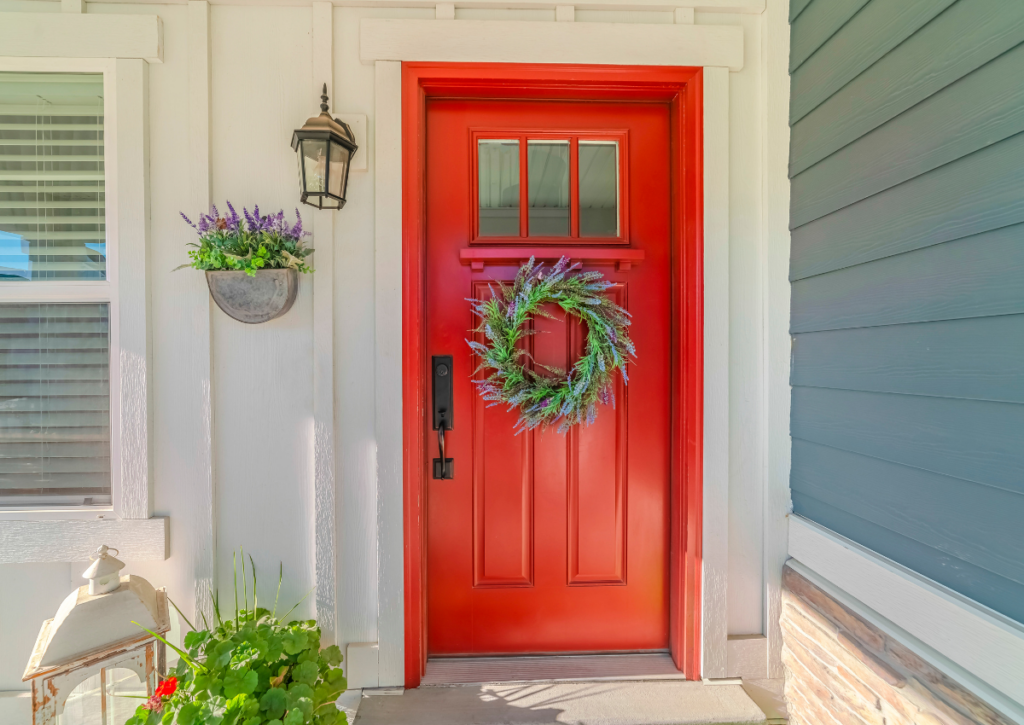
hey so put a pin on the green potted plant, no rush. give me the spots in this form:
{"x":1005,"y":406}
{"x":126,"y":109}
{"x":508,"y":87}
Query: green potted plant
{"x":252,"y":261}
{"x":254,"y":668}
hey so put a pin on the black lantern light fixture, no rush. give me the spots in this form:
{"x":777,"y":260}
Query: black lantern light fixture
{"x":325,"y":147}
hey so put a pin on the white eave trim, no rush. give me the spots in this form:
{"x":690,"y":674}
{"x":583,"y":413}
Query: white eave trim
{"x":980,"y":648}
{"x":77,"y":35}
{"x":748,"y":7}
{"x":493,"y":41}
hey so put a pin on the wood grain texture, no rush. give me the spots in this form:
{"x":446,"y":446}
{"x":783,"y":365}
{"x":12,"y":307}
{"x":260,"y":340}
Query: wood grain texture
{"x":488,"y":41}
{"x":323,"y":361}
{"x":715,"y":547}
{"x":918,"y":505}
{"x":130,"y":234}
{"x":264,"y":497}
{"x":816,"y":25}
{"x":978,"y":358}
{"x":776,"y":312}
{"x":974,"y":194}
{"x":388,"y":370}
{"x":193,"y":314}
{"x":978,"y":648}
{"x":980,"y":109}
{"x":970,"y":34}
{"x":38,"y":542}
{"x":971,"y":277}
{"x":77,"y":35}
{"x":975,"y":440}
{"x":867,"y":36}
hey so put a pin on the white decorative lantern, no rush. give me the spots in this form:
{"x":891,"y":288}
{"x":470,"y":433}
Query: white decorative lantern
{"x":92,"y":634}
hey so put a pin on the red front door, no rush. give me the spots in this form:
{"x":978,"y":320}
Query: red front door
{"x":546,"y":542}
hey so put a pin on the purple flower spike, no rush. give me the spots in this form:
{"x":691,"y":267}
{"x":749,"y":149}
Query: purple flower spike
{"x":187,"y":220}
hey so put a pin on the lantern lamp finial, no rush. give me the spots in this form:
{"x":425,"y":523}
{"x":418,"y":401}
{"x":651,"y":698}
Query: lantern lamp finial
{"x":323,"y":100}
{"x":104,"y":572}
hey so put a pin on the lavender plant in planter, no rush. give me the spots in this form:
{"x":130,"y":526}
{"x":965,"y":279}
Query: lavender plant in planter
{"x":252,"y":262}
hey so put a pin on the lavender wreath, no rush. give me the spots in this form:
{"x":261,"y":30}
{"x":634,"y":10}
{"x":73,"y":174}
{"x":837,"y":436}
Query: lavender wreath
{"x":566,"y":398}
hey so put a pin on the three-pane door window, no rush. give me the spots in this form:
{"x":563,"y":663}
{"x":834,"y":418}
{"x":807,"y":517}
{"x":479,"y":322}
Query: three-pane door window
{"x":54,"y":340}
{"x":574,"y":188}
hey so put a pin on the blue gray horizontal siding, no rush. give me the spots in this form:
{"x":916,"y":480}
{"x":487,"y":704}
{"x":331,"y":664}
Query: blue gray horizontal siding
{"x":907,"y":169}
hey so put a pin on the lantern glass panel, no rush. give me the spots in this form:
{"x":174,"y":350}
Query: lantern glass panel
{"x":85,"y":706}
{"x":339,"y":165}
{"x":314,"y":162}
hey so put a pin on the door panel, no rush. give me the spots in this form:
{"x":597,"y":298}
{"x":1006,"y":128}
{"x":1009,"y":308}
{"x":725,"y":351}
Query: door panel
{"x":547,"y":542}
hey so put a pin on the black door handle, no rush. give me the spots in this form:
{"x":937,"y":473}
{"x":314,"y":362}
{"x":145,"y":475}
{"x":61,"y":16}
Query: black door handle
{"x":443,"y":412}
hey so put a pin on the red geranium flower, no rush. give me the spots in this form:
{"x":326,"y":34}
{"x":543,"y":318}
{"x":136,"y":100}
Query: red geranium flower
{"x":167,"y":687}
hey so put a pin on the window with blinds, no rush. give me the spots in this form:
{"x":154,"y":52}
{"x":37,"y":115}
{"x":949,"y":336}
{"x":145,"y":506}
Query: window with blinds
{"x":51,"y":177}
{"x":55,"y":447}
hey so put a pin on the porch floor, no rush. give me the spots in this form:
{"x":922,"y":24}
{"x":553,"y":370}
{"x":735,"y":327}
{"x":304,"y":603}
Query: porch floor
{"x":645,"y":702}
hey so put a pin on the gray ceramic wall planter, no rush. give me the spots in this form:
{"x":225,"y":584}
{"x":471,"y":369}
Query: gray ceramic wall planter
{"x":269,"y":294}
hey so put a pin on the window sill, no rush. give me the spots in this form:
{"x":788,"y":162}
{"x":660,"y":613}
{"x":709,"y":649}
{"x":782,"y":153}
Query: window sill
{"x":38,"y":537}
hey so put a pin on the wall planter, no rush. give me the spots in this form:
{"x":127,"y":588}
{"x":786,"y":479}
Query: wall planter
{"x":260,"y":298}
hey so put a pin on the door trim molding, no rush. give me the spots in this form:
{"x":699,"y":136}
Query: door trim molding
{"x":700,"y":337}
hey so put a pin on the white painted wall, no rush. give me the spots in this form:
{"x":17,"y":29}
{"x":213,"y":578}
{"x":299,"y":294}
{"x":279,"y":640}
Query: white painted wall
{"x":262,"y":375}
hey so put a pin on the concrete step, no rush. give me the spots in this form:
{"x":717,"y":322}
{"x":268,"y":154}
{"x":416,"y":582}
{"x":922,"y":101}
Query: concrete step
{"x":660,"y":702}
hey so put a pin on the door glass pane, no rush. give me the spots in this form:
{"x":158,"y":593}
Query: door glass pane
{"x":547,"y":165}
{"x":52,"y":216}
{"x":498,"y":173}
{"x":599,"y":189}
{"x":55,"y":404}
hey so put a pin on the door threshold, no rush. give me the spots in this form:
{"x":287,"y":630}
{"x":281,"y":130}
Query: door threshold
{"x":549,"y":668}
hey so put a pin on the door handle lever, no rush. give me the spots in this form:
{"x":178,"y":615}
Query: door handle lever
{"x":441,"y":368}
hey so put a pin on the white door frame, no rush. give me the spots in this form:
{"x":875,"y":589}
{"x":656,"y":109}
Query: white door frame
{"x":386,"y":43}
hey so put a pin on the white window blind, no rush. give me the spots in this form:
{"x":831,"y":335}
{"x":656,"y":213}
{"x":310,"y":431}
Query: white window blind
{"x":54,"y":404}
{"x":51,"y":177}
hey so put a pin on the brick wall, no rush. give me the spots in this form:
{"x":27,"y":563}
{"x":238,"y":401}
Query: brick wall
{"x":842,"y":670}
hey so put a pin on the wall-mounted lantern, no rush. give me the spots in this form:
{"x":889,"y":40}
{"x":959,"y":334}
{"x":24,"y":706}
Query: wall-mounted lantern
{"x":325,"y":146}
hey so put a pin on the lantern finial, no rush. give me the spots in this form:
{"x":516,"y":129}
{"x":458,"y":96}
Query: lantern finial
{"x":104,"y":572}
{"x":323,"y":100}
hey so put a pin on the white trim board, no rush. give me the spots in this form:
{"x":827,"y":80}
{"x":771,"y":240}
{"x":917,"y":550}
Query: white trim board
{"x":388,"y":324}
{"x":41,"y":542}
{"x":981,"y":649}
{"x":747,"y":7}
{"x":76,"y":35}
{"x":492,"y":41}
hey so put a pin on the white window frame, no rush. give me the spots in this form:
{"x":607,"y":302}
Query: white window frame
{"x":40,"y":534}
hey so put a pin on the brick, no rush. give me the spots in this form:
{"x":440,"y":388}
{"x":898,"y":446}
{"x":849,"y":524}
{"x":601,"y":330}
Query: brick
{"x":944,"y":687}
{"x":834,"y":695}
{"x":887,"y":674}
{"x":861,"y":630}
{"x":927,"y":701}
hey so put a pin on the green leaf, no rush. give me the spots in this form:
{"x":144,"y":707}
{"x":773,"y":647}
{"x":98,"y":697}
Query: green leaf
{"x":299,"y":690}
{"x":306,"y":672}
{"x":239,"y":682}
{"x":255,"y":720}
{"x":295,"y":717}
{"x":294,"y":641}
{"x":336,"y":676}
{"x":332,"y":655}
{"x":274,"y":702}
{"x":188,"y":713}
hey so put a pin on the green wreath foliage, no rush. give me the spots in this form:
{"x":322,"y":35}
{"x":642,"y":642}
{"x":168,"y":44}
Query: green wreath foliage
{"x":566,"y":398}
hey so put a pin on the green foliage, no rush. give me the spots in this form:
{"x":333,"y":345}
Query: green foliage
{"x":248,"y":243}
{"x":566,"y":398}
{"x":252,"y":669}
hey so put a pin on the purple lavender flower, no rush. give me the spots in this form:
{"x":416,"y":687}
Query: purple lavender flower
{"x":187,"y":220}
{"x":234,"y":221}
{"x":297,"y":229}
